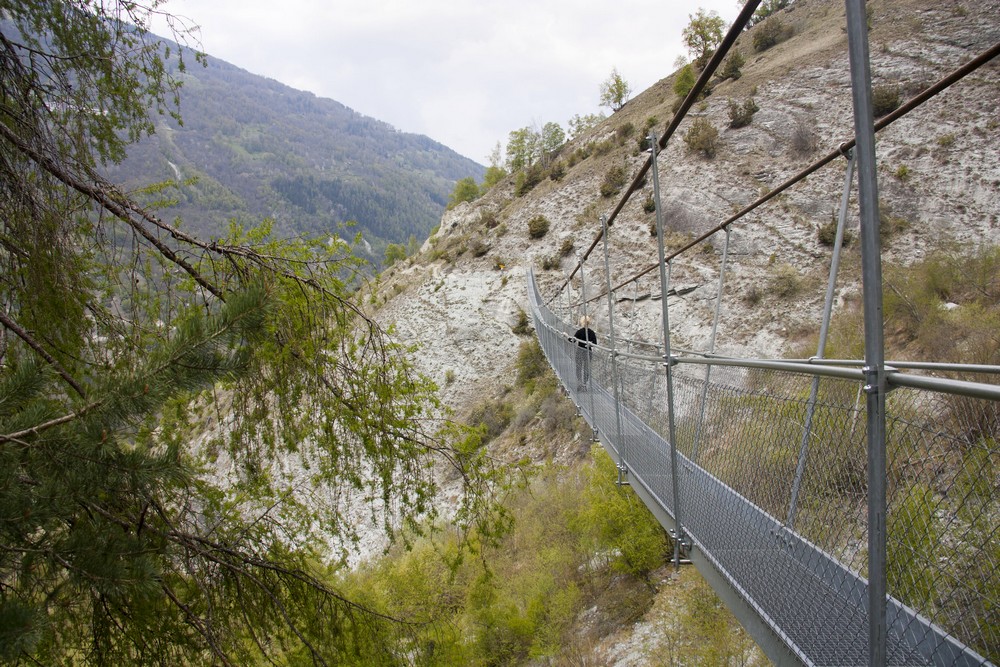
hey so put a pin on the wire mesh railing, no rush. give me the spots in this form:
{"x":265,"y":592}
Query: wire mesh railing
{"x":745,"y":460}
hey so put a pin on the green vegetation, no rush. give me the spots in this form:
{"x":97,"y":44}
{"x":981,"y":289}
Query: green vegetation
{"x":740,"y":115}
{"x":703,"y":35}
{"x":154,"y":396}
{"x":465,"y":190}
{"x":579,"y":542}
{"x":614,"y":180}
{"x":394,"y":252}
{"x":523,"y":325}
{"x":538,"y":227}
{"x":765,"y":9}
{"x":528,"y":179}
{"x":826,"y":234}
{"x":732,"y":68}
{"x":915,"y":301}
{"x":578,"y":125}
{"x":885,"y":99}
{"x":785,"y":281}
{"x":702,"y":137}
{"x":685,"y":81}
{"x":770,"y":33}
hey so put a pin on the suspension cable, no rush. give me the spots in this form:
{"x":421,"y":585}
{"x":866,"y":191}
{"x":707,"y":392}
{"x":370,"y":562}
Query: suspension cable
{"x":692,"y":96}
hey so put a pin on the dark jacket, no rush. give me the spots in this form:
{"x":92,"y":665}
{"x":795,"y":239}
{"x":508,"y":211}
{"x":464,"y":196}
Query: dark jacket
{"x":585,"y":337}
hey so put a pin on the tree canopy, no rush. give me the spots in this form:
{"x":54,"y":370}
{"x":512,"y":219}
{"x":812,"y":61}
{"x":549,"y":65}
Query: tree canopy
{"x":194,"y":433}
{"x":703,"y":35}
{"x":615,"y":91}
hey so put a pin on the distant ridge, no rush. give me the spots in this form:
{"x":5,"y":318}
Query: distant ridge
{"x":251,"y":147}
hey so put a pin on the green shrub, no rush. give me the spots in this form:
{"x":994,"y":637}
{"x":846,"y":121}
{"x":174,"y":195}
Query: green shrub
{"x":538,"y":227}
{"x":702,"y":137}
{"x":885,"y":100}
{"x":465,"y":190}
{"x":731,"y":69}
{"x":685,"y":81}
{"x":523,"y":325}
{"x":740,"y":115}
{"x":567,"y":247}
{"x":528,"y":179}
{"x":771,"y":32}
{"x":890,"y":225}
{"x":491,"y":417}
{"x":531,"y":363}
{"x":614,"y":512}
{"x":912,"y":544}
{"x":489,"y":218}
{"x":550,"y":262}
{"x":614,"y":181}
{"x":827,"y":234}
{"x":946,"y":140}
{"x":649,"y":206}
{"x":557,"y":171}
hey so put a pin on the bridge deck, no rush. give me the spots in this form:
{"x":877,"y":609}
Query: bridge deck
{"x":817,"y":607}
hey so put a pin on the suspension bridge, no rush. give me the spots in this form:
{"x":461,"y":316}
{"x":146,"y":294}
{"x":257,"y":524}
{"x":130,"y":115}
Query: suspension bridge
{"x":845,"y":510}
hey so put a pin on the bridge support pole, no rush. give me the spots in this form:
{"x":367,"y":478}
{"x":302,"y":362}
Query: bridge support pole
{"x":622,"y":453}
{"x":679,"y":534}
{"x":824,"y":330}
{"x":711,"y":347}
{"x":583,"y":302}
{"x":871,"y":280}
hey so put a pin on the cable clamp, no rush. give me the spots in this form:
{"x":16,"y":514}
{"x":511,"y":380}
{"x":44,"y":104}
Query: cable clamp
{"x":872,"y":378}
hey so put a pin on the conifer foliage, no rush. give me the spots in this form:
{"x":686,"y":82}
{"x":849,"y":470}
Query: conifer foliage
{"x":185,"y":424}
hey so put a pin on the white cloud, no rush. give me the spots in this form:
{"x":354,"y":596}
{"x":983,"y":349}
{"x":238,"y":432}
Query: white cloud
{"x":464,"y":74}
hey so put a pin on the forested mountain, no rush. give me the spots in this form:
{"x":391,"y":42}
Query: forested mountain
{"x":250,"y":147}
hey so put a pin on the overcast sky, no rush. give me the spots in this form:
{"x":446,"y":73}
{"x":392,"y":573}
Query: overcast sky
{"x":464,"y":73}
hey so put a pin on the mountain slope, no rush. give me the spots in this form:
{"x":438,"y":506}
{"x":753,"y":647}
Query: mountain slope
{"x":257,"y":148}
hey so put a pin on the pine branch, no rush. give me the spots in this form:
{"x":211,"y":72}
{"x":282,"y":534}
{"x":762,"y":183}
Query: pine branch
{"x":101,"y":193}
{"x":13,"y":326}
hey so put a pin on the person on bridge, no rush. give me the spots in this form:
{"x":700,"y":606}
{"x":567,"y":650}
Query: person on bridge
{"x":585,"y":339}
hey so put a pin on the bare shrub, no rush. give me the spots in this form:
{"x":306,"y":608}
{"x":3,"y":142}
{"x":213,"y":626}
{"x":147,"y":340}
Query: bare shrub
{"x":785,"y":281}
{"x":804,"y":140}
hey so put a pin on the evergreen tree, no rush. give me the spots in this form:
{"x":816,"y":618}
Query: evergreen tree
{"x":186,"y":425}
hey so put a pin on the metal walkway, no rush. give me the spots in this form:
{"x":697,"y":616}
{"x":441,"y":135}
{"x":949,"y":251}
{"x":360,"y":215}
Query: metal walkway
{"x":802,"y":604}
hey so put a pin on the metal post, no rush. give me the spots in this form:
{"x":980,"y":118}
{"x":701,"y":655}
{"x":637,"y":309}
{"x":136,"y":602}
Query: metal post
{"x":871,"y":280}
{"x":823,"y":332}
{"x":678,"y":534}
{"x":622,"y":460}
{"x":711,"y":347}
{"x":583,"y":300}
